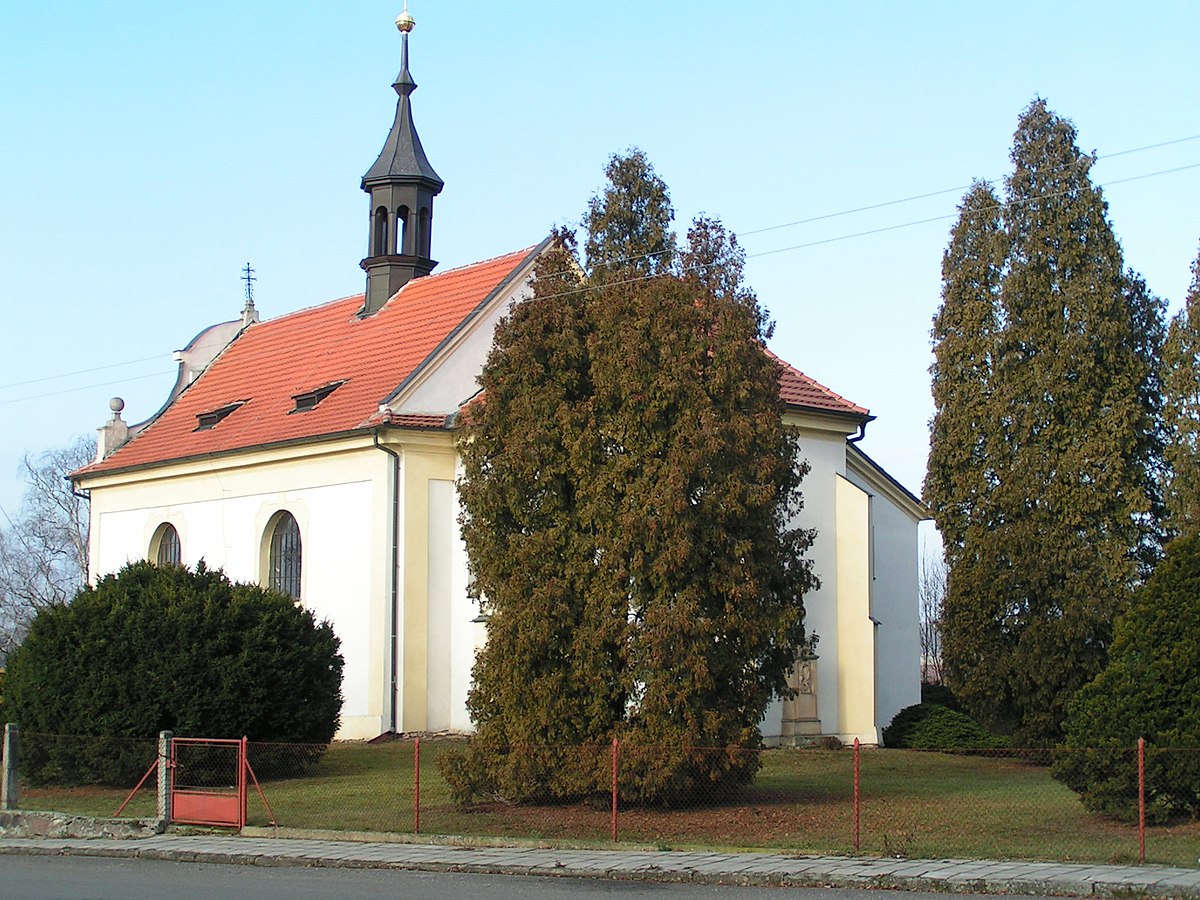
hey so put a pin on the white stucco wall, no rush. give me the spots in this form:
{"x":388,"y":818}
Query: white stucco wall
{"x":858,"y":655}
{"x":453,"y":636}
{"x":468,"y":635}
{"x":894,"y":600}
{"x":223,"y":513}
{"x":824,"y":450}
{"x":865,"y":555}
{"x":453,"y":377}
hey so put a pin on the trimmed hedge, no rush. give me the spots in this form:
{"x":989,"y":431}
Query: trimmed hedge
{"x":930,"y":726}
{"x":152,"y":649}
{"x":1147,"y":690}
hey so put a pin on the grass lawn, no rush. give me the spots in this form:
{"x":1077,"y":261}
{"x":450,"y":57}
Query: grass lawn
{"x":914,"y":804}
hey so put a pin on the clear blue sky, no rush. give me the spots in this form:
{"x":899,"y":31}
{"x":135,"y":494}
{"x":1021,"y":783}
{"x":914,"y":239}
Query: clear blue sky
{"x":151,"y":149}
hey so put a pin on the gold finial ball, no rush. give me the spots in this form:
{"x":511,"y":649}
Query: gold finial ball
{"x":405,"y":22}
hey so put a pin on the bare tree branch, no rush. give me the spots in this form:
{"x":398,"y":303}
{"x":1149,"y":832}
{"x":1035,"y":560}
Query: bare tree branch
{"x":931,"y":593}
{"x":44,"y":545}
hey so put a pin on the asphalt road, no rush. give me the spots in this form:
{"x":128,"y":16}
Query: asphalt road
{"x":98,"y":878}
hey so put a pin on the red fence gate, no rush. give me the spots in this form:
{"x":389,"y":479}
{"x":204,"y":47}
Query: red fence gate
{"x":208,"y":782}
{"x":205,"y":781}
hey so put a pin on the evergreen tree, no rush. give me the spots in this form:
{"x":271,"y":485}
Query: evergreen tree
{"x":961,"y":470}
{"x":1181,"y":412}
{"x":958,"y":476}
{"x":1147,"y":690}
{"x":628,"y":225}
{"x":1068,"y":434}
{"x":700,"y":478}
{"x":1148,"y":316}
{"x":627,"y":491}
{"x":153,"y":648}
{"x":544,"y":682}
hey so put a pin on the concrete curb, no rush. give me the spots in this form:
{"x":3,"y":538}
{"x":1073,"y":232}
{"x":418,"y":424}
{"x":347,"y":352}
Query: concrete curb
{"x":766,"y":869}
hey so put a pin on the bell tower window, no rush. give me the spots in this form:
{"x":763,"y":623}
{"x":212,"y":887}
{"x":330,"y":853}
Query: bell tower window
{"x":423,"y":232}
{"x":379,"y":230}
{"x":403,"y":247}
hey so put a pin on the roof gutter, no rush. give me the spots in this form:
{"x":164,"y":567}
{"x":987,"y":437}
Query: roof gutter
{"x":393,"y":585}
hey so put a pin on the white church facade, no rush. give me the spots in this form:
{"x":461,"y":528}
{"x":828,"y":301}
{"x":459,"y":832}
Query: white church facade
{"x":316,"y":453}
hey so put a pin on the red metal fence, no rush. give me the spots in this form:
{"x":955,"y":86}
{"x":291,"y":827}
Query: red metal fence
{"x":980,"y":803}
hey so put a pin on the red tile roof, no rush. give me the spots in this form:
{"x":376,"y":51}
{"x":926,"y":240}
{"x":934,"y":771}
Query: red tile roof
{"x":274,"y":361}
{"x":798,"y":390}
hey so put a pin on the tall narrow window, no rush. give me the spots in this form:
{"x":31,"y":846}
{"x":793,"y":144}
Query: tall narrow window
{"x":169,"y":552}
{"x":285,"y":557}
{"x":403,"y":246}
{"x":423,"y":232}
{"x":380,"y":230}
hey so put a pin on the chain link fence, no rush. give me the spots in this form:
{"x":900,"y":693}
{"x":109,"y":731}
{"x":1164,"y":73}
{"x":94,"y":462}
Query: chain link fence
{"x":85,"y":774}
{"x":1004,"y":804}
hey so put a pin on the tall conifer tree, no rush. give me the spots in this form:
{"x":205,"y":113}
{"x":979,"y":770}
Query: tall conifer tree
{"x":958,"y":477}
{"x":1181,"y":412}
{"x":701,"y":478}
{"x":1069,"y":449}
{"x":961,"y":470}
{"x":545,"y":681}
{"x":628,"y":487}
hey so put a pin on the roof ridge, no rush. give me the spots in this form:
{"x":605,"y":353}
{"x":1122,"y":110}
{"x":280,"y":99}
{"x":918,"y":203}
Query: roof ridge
{"x":311,"y":307}
{"x":479,"y":262}
{"x":430,"y":277}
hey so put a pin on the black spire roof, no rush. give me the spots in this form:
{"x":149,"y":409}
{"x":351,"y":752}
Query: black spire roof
{"x":402,"y":155}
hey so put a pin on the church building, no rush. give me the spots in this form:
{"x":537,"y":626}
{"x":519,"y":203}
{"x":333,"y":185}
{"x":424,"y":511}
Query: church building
{"x":315,"y":453}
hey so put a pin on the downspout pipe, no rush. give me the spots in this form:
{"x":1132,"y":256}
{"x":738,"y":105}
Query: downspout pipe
{"x":393,"y":584}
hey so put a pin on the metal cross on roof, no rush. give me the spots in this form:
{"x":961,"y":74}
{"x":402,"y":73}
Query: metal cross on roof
{"x":248,"y":277}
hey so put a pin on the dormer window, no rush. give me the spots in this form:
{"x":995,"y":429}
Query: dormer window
{"x":309,"y":399}
{"x":208,"y":419}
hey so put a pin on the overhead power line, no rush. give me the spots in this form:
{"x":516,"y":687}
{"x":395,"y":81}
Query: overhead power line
{"x":953,"y":190}
{"x":815,"y":243}
{"x":85,"y":387}
{"x":946,"y":216}
{"x":129,"y":362}
{"x":845,"y":237}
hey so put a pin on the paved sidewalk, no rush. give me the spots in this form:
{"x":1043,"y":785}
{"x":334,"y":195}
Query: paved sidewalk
{"x":646,"y":865}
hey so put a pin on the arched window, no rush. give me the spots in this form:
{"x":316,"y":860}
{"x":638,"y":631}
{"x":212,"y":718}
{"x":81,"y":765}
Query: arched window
{"x":169,"y":551}
{"x":284,"y":570}
{"x":379,"y":229}
{"x":402,"y":246}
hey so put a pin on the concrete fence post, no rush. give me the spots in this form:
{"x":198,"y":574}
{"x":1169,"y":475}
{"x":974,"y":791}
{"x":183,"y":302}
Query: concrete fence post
{"x":10,"y":794}
{"x":164,"y":775}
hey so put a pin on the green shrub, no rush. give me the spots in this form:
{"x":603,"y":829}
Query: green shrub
{"x":941,"y":695}
{"x":152,"y":649}
{"x":930,"y":726}
{"x":1147,"y":690}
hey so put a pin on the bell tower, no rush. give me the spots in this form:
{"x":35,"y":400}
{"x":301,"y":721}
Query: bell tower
{"x":401,"y":185}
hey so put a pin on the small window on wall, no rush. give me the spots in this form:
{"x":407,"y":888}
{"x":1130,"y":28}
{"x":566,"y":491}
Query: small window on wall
{"x":284,"y":570}
{"x":168,"y":552}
